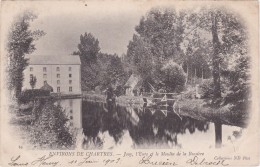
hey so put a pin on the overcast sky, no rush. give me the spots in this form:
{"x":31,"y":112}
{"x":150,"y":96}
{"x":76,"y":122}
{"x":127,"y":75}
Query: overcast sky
{"x":112,"y":25}
{"x":112,"y":22}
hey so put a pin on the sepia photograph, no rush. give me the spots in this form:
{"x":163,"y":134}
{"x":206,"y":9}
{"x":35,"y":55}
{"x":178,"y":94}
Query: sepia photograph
{"x":153,"y":78}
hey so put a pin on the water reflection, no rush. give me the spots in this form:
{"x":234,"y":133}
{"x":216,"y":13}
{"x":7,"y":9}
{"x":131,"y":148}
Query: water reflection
{"x":146,"y":127}
{"x":73,"y":109}
{"x":218,"y":134}
{"x":109,"y":126}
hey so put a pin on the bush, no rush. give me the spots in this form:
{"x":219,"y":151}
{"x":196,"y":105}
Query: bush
{"x":207,"y":88}
{"x":49,"y":129}
{"x":172,"y":77}
{"x":28,"y":95}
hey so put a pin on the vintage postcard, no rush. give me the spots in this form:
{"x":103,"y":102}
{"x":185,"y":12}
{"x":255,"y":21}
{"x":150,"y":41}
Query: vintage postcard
{"x":129,"y":83}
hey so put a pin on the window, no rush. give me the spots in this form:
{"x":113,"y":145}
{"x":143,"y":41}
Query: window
{"x":57,"y":68}
{"x":44,"y":82}
{"x":58,"y":75}
{"x":44,"y":69}
{"x":69,"y":68}
{"x":58,"y":82}
{"x":70,"y":81}
{"x":58,"y":89}
{"x":31,"y":76}
{"x":44,"y":75}
{"x":70,"y":75}
{"x":70,"y":89}
{"x":31,"y":68}
{"x":71,"y":103}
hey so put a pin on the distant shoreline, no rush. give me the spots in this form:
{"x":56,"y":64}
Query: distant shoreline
{"x":194,"y":108}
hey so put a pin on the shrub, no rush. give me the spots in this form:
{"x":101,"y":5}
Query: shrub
{"x":172,"y":77}
{"x":189,"y":93}
{"x":28,"y":95}
{"x":49,"y":129}
{"x":207,"y":88}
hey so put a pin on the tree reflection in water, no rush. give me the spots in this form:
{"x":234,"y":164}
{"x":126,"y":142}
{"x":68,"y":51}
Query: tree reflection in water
{"x":147,"y":127}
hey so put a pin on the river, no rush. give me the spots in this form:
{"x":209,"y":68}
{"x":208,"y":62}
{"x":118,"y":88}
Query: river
{"x":103,"y":126}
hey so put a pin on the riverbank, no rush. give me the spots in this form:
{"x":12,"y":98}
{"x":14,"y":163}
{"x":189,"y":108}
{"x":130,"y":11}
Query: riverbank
{"x":42,"y":126}
{"x":31,"y":128}
{"x":200,"y":110}
{"x":122,"y":100}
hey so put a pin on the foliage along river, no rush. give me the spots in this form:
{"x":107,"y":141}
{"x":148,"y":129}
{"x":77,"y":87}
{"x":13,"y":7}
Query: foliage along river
{"x":103,"y":126}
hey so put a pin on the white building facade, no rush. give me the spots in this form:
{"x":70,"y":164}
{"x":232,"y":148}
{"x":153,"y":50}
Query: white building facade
{"x":62,"y":73}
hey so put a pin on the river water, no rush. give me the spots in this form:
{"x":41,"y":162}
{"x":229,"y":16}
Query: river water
{"x":103,"y":126}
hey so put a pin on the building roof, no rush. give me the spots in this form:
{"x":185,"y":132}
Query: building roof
{"x":139,"y":84}
{"x":46,"y":86}
{"x":54,"y":59}
{"x":133,"y":82}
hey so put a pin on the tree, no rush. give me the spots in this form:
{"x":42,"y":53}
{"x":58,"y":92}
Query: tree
{"x":33,"y":81}
{"x":196,"y":60}
{"x":115,"y":73}
{"x":88,"y":50}
{"x":98,"y":69}
{"x":20,"y":42}
{"x":140,"y":57}
{"x":158,"y":40}
{"x":215,"y":55}
{"x":238,"y":93}
{"x":228,"y":37}
{"x":233,"y":34}
{"x":162,"y":29}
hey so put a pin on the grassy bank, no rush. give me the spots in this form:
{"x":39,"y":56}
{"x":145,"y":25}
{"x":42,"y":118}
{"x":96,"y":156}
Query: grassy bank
{"x":198,"y":109}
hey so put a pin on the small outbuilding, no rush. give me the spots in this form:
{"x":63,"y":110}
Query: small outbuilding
{"x":47,"y":87}
{"x":133,"y":86}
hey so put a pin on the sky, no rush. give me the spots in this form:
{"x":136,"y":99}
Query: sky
{"x":111,"y":25}
{"x":112,"y":22}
